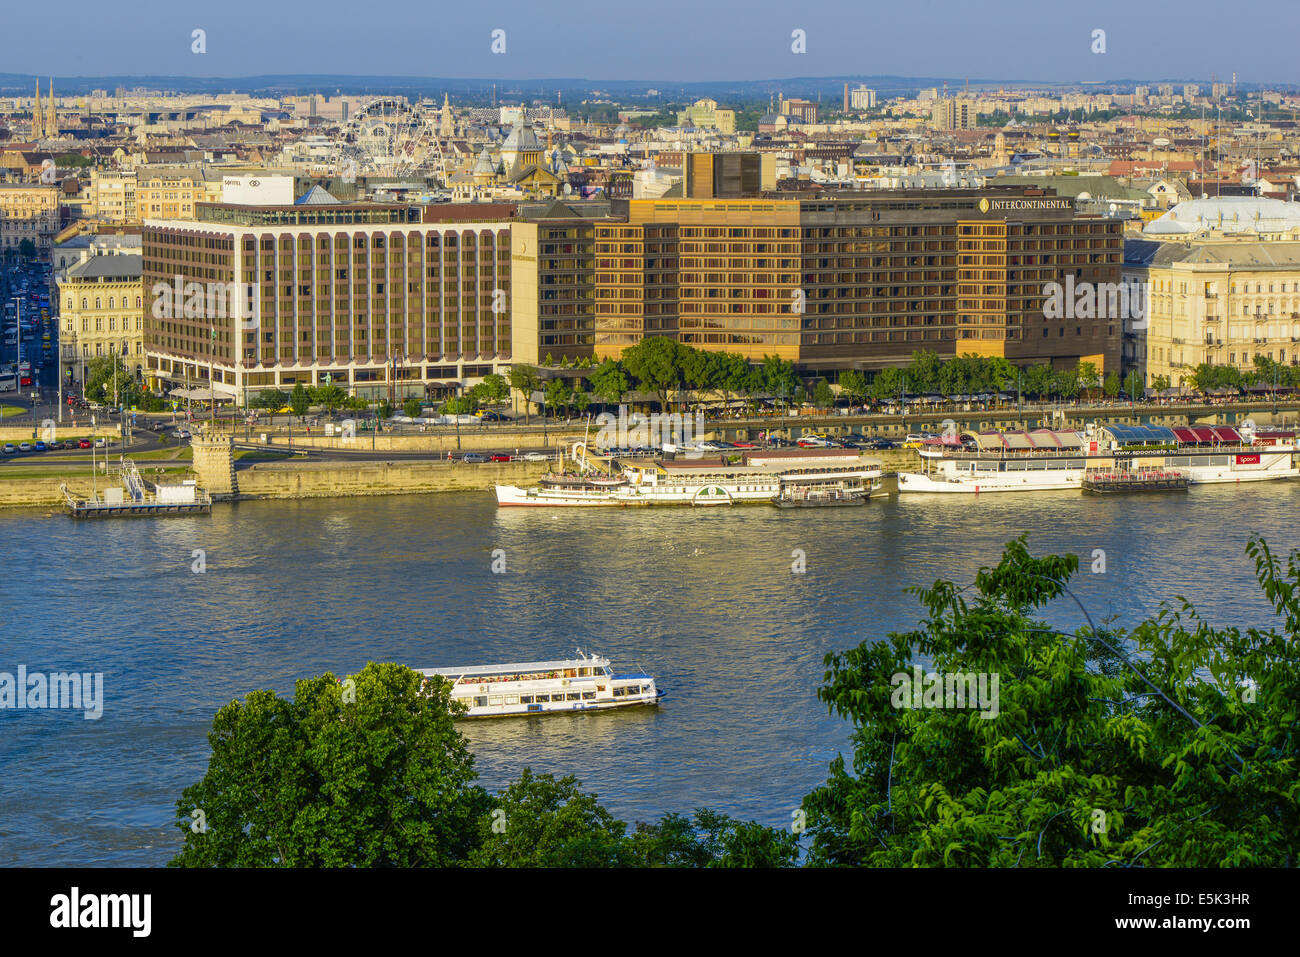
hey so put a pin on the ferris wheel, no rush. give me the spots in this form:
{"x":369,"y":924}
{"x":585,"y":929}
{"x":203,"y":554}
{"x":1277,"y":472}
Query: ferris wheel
{"x":390,"y":137}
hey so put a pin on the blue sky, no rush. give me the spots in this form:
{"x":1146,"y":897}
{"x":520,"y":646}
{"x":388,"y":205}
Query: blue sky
{"x":681,"y":40}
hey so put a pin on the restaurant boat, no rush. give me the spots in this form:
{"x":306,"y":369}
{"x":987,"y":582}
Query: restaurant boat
{"x":585,"y":683}
{"x":1043,"y":459}
{"x":760,"y":477}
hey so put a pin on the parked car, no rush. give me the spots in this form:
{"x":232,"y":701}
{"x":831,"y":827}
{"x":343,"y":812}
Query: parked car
{"x":83,"y":443}
{"x":10,"y":448}
{"x":536,"y":457}
{"x":501,"y":457}
{"x":474,"y":458}
{"x":40,"y":447}
{"x":25,"y":447}
{"x":101,"y":443}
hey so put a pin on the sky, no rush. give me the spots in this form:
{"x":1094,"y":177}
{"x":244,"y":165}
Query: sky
{"x":681,"y":40}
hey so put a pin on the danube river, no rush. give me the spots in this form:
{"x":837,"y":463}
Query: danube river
{"x":705,"y":599}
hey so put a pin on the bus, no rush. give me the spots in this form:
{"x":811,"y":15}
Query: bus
{"x":8,"y":382}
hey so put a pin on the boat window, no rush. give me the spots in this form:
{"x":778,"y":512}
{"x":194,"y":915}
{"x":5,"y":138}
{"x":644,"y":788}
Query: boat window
{"x":525,"y":699}
{"x":543,"y":698}
{"x":495,"y":699}
{"x":512,"y":699}
{"x":480,"y":701}
{"x":618,"y":692}
{"x":574,"y":696}
{"x":588,"y":695}
{"x":584,"y":672}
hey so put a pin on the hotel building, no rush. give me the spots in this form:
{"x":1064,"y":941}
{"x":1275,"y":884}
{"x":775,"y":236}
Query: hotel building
{"x":365,"y":296}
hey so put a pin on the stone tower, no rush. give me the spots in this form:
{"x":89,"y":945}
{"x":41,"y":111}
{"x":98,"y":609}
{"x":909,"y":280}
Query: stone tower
{"x":52,"y":118}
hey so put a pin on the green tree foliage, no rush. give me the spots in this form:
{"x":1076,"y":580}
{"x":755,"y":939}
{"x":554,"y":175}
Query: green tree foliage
{"x":299,"y":401}
{"x":1111,"y":387}
{"x":495,"y":388}
{"x":1169,"y":745}
{"x":558,"y":395}
{"x":655,"y":363}
{"x":329,"y":397}
{"x":853,"y":385}
{"x":525,"y":380}
{"x":1133,"y":385}
{"x":101,"y":382}
{"x":383,"y":779}
{"x":823,"y":397}
{"x":609,"y":382}
{"x":412,"y":408}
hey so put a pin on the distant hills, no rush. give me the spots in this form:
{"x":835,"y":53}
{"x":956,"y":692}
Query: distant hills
{"x":570,"y":90}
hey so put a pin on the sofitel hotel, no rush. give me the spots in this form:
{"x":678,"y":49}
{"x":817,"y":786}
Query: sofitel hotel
{"x":439,"y":295}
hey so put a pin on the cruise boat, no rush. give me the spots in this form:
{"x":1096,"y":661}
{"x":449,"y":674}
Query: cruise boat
{"x":1044,"y":459}
{"x":760,"y":477}
{"x":585,"y":683}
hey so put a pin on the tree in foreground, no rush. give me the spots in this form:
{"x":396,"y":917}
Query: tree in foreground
{"x":369,"y":773}
{"x":1174,"y":744}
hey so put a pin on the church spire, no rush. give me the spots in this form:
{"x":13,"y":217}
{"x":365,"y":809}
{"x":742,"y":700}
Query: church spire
{"x":52,"y":119}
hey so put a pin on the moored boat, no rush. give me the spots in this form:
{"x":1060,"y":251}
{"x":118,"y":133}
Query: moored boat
{"x":1045,"y":459}
{"x":585,"y":683}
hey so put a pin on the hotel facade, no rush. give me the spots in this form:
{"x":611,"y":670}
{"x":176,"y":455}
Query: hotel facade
{"x":364,"y":296}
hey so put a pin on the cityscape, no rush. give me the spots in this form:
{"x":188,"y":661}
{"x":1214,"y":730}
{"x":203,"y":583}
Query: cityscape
{"x":340,"y":413}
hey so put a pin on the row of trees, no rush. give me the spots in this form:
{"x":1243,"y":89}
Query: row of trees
{"x":1267,"y":372}
{"x":1169,"y":745}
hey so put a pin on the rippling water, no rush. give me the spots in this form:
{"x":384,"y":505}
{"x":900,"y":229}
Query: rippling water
{"x":704,"y":599}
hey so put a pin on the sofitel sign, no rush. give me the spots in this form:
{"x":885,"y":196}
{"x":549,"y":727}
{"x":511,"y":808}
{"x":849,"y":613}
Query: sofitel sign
{"x":1026,"y":205}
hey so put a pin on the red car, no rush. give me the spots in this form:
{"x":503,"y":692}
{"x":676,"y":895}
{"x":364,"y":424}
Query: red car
{"x":83,"y":444}
{"x":500,"y":457}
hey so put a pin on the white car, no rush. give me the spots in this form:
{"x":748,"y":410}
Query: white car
{"x":536,"y":457}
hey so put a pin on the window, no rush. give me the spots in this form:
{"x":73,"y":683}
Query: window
{"x":481,"y":701}
{"x":543,"y":698}
{"x":575,"y":696}
{"x":525,"y":699}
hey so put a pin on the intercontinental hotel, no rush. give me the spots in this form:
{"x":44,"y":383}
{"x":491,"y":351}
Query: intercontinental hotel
{"x":434,"y":297}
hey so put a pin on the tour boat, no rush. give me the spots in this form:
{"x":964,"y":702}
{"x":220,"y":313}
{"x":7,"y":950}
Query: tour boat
{"x":761,"y":476}
{"x":1043,"y":459}
{"x":585,"y":683}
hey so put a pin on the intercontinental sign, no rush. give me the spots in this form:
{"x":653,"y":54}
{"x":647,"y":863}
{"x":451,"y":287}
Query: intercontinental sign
{"x":1026,"y":205}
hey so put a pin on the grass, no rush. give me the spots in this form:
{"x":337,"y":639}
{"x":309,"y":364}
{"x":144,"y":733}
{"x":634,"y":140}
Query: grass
{"x":34,"y":473}
{"x":7,"y":410}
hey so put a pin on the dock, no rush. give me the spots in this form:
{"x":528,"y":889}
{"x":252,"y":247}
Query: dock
{"x":132,"y":497}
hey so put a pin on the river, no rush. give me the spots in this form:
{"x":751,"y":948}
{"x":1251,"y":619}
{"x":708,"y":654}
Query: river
{"x":704,"y":599}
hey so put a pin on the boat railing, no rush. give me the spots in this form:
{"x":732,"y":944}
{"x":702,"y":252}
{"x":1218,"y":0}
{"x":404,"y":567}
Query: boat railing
{"x":1225,"y":449}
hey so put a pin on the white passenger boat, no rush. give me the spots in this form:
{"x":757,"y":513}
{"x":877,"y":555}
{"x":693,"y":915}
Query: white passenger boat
{"x":585,"y":683}
{"x":1044,"y":459}
{"x":759,"y":477}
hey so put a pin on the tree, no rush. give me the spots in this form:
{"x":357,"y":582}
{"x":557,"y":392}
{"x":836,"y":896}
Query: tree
{"x":581,"y":402}
{"x":329,"y":397}
{"x":887,"y":385}
{"x":1038,"y":381}
{"x":544,"y":822}
{"x":655,"y":363}
{"x":1065,"y":383}
{"x":1160,"y":383}
{"x":609,"y":382}
{"x":412,"y":408}
{"x":271,"y":400}
{"x":299,"y":401}
{"x":558,"y":394}
{"x":525,"y":380}
{"x":368,"y":774}
{"x":923,"y":373}
{"x":1088,"y":376}
{"x":701,"y":370}
{"x":823,"y":397}
{"x":1171,"y":745}
{"x":853,"y":385}
{"x":495,"y":388}
{"x":1133,"y":385}
{"x":26,"y":249}
{"x":101,"y":382}
{"x":1112,"y":384}
{"x":779,"y":377}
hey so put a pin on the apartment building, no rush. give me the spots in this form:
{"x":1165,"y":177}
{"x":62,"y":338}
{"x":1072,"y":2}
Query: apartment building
{"x":28,"y":212}
{"x":101,"y":313}
{"x":174,"y":193}
{"x":113,"y":194}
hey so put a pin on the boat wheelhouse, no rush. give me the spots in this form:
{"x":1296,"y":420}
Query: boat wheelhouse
{"x":1043,"y":459}
{"x":585,"y":683}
